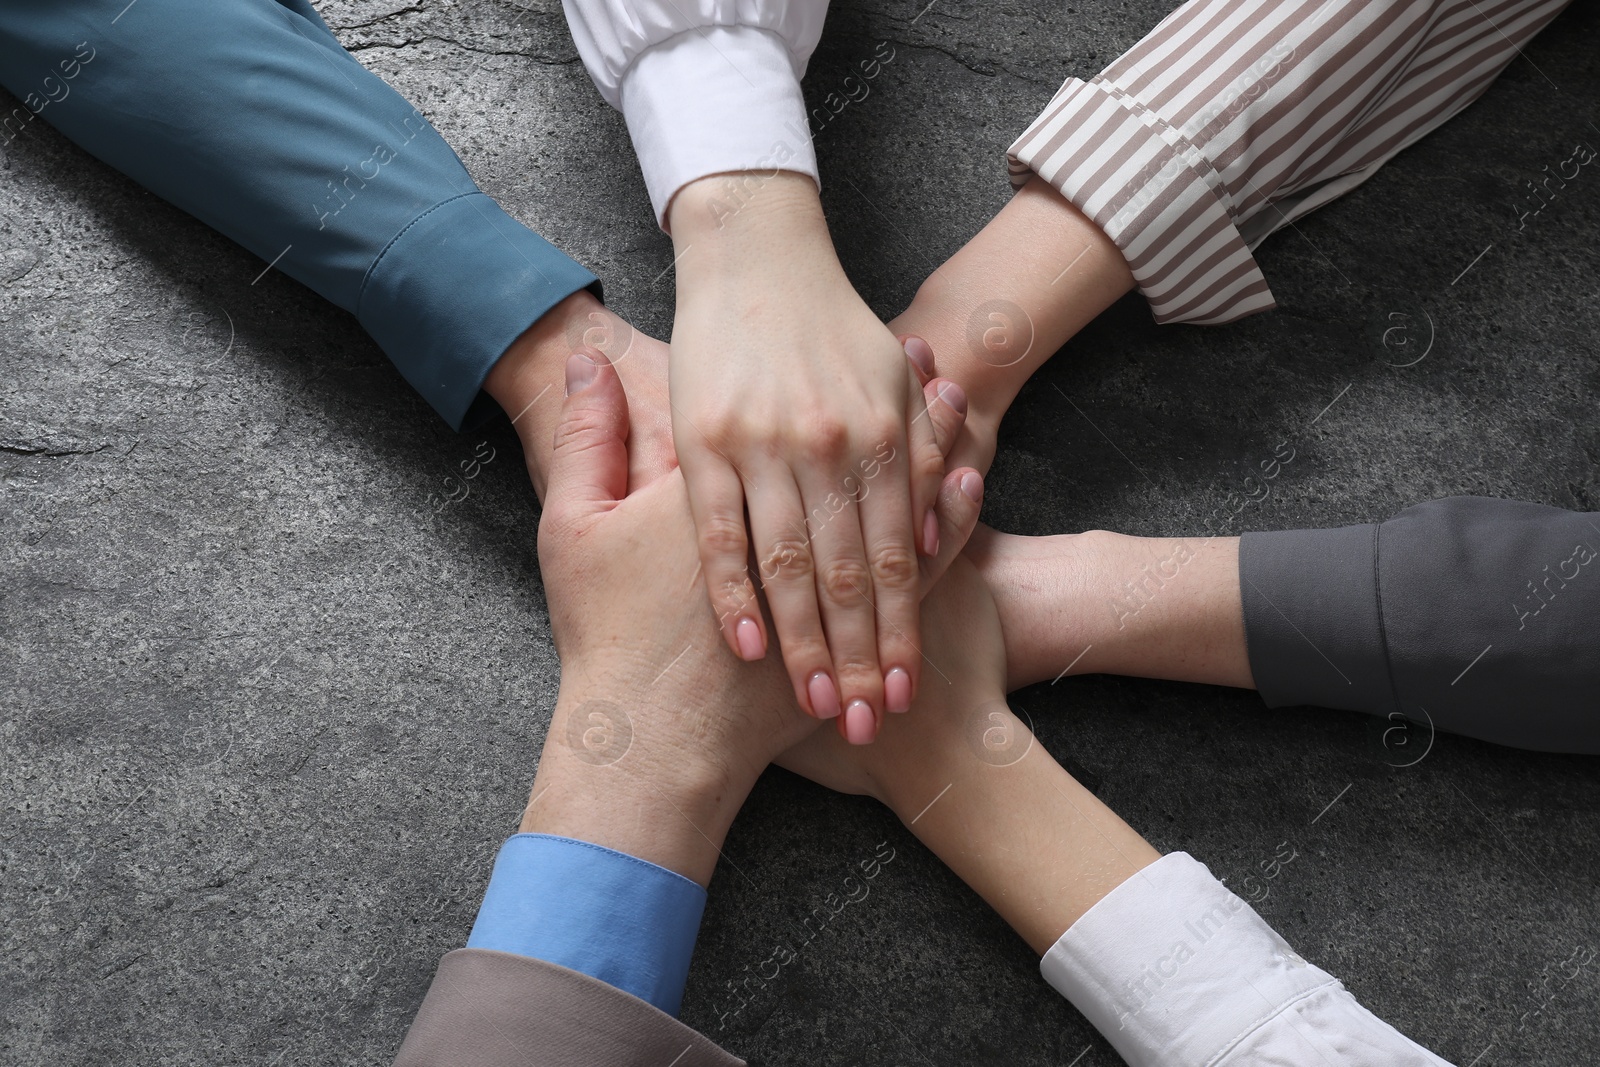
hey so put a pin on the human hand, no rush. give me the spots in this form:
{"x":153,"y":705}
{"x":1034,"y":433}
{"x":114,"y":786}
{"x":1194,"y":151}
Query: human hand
{"x":967,"y":776}
{"x":792,"y":401}
{"x":527,"y":383}
{"x":653,"y":707}
{"x":962,"y":704}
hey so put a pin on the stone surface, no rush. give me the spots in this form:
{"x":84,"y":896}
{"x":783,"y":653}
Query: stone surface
{"x":264,"y":715}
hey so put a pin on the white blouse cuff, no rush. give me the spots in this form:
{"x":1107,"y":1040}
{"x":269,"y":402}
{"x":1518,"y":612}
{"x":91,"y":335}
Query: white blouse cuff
{"x":1174,"y":969}
{"x":712,"y":101}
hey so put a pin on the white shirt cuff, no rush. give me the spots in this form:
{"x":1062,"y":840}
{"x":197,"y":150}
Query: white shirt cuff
{"x":1173,"y":969}
{"x":713,"y":101}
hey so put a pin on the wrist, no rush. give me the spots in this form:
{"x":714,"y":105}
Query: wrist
{"x":730,"y":223}
{"x":525,"y":381}
{"x":621,"y":771}
{"x":940,"y":317}
{"x":1170,"y":609}
{"x":1008,"y":299}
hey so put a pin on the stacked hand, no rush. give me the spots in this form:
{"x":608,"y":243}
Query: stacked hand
{"x":655,"y":713}
{"x":792,"y":403}
{"x":793,"y":406}
{"x":660,"y":731}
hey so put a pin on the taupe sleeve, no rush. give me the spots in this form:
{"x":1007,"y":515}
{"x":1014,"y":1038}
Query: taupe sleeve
{"x":495,"y":1009}
{"x":1235,"y":117}
{"x":1477,"y":616}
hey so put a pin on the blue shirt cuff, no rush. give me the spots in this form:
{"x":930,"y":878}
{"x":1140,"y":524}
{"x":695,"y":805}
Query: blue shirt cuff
{"x":593,"y":910}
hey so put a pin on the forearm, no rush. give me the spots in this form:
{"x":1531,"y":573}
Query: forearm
{"x":1345,"y":617}
{"x":1013,"y":295}
{"x":623,"y":828}
{"x":1166,"y":962}
{"x":1351,"y":618}
{"x":1108,"y":603}
{"x":251,"y":117}
{"x":1197,"y":143}
{"x":992,"y":804}
{"x":706,"y":88}
{"x":605,"y":777}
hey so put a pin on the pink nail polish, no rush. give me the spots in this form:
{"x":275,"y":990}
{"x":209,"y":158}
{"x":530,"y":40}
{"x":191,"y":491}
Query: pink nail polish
{"x":860,"y":725}
{"x":972,"y":485}
{"x":824,"y":697}
{"x":930,"y":534}
{"x":897,"y":690}
{"x":748,"y":635}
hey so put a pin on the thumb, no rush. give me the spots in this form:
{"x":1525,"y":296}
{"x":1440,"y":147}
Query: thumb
{"x":960,"y":500}
{"x":589,"y":465}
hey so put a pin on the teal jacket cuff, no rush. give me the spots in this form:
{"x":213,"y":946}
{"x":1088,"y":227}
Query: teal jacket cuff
{"x":251,"y":117}
{"x":451,"y":292}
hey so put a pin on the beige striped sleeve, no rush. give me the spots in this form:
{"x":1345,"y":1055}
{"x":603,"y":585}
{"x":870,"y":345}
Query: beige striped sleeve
{"x":1235,"y":117}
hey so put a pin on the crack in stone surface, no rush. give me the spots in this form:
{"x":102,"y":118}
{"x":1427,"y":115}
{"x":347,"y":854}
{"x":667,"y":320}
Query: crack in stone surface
{"x":986,"y":72}
{"x":407,"y":10}
{"x":541,"y":60}
{"x":22,"y":447}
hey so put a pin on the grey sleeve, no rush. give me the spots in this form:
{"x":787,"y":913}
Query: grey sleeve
{"x":1479,"y":616}
{"x":496,"y":1009}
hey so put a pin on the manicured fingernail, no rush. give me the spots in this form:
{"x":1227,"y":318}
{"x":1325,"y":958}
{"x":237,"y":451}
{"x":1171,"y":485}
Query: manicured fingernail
{"x":930,"y":534}
{"x":897,"y":690}
{"x":954,"y":395}
{"x":972,"y":485}
{"x":824,"y":697}
{"x":581,"y":370}
{"x":748,"y":635}
{"x":920,"y":352}
{"x":860,"y":725}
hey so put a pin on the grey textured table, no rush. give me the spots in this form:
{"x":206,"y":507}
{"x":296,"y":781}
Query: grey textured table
{"x":266,"y":715}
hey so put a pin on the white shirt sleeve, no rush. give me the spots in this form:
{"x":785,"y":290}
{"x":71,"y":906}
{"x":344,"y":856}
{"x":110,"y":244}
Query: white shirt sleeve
{"x":1176,"y":970}
{"x":706,"y":86}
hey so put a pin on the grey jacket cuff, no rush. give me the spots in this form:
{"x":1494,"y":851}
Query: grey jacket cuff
{"x":1468,"y":614}
{"x":496,"y":1009}
{"x":1312,"y":619}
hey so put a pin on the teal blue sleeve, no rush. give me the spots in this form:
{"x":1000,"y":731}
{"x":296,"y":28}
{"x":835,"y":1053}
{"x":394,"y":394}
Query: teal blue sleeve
{"x":249,"y":115}
{"x":594,"y":910}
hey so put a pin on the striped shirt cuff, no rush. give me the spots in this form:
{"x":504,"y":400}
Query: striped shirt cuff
{"x":1154,"y":193}
{"x":1233,"y":118}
